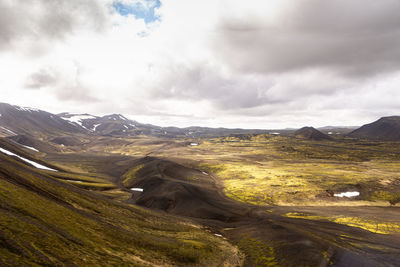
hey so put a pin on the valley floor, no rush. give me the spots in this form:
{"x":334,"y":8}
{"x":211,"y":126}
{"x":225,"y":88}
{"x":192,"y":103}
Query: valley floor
{"x":272,"y":197}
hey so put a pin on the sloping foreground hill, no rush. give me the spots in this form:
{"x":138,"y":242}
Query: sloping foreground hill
{"x":49,"y":222}
{"x":386,"y":129}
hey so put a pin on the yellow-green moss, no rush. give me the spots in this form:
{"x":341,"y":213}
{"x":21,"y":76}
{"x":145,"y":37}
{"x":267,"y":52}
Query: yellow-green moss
{"x":131,"y":175}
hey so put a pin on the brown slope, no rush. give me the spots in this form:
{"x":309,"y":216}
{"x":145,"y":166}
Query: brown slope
{"x":33,"y":121}
{"x":386,"y":129}
{"x":311,"y":133}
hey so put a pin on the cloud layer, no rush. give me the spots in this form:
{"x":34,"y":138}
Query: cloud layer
{"x":352,"y":38}
{"x":256,"y":64}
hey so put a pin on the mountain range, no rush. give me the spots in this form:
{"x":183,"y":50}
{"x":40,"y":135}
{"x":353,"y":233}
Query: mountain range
{"x":15,"y":120}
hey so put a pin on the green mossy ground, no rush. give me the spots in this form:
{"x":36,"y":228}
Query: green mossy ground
{"x":48,"y":222}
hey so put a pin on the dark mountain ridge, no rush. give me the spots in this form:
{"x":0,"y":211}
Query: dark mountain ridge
{"x":385,"y":129}
{"x":20,"y":120}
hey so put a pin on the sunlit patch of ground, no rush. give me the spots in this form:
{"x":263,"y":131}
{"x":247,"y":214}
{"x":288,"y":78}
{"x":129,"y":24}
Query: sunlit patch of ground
{"x":373,"y":226}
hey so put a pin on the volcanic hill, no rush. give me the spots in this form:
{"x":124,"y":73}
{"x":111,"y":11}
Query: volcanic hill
{"x":311,"y":133}
{"x":386,"y":129}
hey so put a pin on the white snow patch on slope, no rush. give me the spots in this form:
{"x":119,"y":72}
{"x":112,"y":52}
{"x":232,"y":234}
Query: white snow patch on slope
{"x":27,"y":109}
{"x":78,"y":118}
{"x":347,"y":194}
{"x":5,"y":129}
{"x":137,"y":189}
{"x":122,"y":118}
{"x":35,"y":164}
{"x":95,"y":126}
{"x":31,"y":148}
{"x":75,"y":181}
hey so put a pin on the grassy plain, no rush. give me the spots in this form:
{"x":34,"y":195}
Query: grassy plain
{"x":279,"y":170}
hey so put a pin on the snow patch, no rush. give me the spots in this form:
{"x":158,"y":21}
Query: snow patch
{"x":95,"y":126}
{"x":194,"y":144}
{"x":347,"y":194}
{"x":218,"y":235}
{"x":31,"y":148}
{"x":27,"y":109}
{"x":275,"y":133}
{"x":330,"y":133}
{"x":11,"y":132}
{"x":137,"y":189}
{"x":35,"y":164}
{"x":76,"y":181}
{"x":78,"y":119}
{"x":122,"y":118}
{"x":204,"y":173}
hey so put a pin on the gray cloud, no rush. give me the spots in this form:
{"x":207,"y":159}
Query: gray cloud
{"x":314,"y":50}
{"x":77,"y":93}
{"x":352,"y":38}
{"x":205,"y":82}
{"x":42,"y":78}
{"x":240,"y":90}
{"x":66,"y":85}
{"x":46,"y":20}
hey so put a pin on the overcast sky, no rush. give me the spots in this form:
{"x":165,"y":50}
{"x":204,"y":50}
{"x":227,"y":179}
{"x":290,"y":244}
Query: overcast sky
{"x":249,"y":64}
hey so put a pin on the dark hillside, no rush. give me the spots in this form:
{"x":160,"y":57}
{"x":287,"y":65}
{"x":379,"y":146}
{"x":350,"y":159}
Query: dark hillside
{"x":311,"y":133}
{"x":19,"y":120}
{"x":385,"y":129}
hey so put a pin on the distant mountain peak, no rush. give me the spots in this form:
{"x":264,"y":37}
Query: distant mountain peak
{"x":15,"y":120}
{"x":116,"y":117}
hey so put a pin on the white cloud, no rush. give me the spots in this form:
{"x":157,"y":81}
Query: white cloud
{"x":217,"y":63}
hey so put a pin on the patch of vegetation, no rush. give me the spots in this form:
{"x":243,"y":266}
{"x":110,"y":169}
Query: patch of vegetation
{"x":280,"y":170}
{"x":373,"y":226}
{"x":259,"y":252}
{"x":392,"y":197}
{"x":131,"y":175}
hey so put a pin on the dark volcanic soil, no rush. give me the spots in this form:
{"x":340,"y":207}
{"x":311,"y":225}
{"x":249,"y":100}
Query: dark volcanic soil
{"x":263,"y":234}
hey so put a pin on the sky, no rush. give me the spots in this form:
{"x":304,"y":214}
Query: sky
{"x":218,"y":63}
